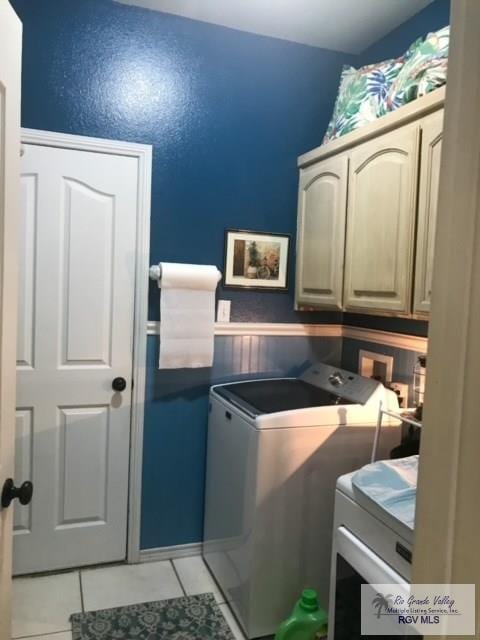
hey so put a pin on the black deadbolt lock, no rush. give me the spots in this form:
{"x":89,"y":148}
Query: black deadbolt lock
{"x":119,"y":384}
{"x":10,"y":492}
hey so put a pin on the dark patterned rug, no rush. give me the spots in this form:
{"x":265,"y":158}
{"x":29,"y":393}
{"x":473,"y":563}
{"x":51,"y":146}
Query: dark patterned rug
{"x":189,"y":618}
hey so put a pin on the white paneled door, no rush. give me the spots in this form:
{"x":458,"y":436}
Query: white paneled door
{"x":74,"y":356}
{"x":10,"y":71}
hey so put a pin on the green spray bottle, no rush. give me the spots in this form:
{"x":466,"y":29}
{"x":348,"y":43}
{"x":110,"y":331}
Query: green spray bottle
{"x":307,"y":622}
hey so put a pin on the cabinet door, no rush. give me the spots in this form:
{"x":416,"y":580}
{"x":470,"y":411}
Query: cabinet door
{"x":321,"y":233}
{"x":381,"y":221}
{"x":432,"y":129}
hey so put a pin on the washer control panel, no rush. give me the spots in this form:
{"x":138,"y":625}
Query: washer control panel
{"x":342,"y":383}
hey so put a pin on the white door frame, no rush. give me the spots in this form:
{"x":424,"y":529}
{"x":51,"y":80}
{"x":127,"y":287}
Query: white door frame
{"x":448,"y":517}
{"x":144,"y":155}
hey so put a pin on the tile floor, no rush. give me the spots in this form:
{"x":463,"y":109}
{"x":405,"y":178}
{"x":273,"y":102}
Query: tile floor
{"x":42,"y":605}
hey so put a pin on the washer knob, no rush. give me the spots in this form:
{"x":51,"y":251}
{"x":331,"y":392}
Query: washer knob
{"x":336,"y":379}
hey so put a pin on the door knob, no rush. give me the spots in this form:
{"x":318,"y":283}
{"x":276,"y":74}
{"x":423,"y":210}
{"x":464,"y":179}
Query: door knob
{"x":10,"y":492}
{"x":119,"y":384}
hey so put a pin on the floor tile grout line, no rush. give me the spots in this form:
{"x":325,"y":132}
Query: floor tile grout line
{"x":81,"y":592}
{"x":42,"y":635}
{"x":217,"y":585}
{"x":221,"y":595}
{"x":82,"y":600}
{"x":180,"y":582}
{"x":178,"y":576}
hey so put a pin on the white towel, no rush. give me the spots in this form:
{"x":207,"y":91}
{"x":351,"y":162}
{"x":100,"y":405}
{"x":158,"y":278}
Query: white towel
{"x":393,"y":485}
{"x":187,"y":315}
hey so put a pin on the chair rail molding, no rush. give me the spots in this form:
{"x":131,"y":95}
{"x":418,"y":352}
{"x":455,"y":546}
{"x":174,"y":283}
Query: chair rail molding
{"x":387,"y":338}
{"x":265,"y":329}
{"x":285,"y":329}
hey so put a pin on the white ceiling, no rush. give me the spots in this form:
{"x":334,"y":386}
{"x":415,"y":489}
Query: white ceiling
{"x":341,"y":25}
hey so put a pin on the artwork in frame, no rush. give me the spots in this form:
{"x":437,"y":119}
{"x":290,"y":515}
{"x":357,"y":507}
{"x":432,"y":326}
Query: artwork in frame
{"x":256,"y":260}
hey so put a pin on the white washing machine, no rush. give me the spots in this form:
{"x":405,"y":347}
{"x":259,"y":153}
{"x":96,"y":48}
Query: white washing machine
{"x":275,"y":450}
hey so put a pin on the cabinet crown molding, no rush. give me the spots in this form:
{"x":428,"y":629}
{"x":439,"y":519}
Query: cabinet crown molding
{"x":402,"y":116}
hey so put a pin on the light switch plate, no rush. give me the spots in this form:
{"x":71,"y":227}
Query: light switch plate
{"x":223,"y":310}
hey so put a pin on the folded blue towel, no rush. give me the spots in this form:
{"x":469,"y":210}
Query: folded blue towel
{"x":392,"y":484}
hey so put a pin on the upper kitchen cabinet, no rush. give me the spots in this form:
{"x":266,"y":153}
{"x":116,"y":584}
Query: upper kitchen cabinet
{"x":432,"y":129}
{"x":381,"y":222}
{"x":321,"y":233}
{"x":367,"y":212}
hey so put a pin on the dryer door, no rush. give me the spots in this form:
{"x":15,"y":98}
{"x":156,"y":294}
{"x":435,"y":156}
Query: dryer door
{"x":354,"y":565}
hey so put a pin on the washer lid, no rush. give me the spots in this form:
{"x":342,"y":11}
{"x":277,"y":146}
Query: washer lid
{"x":281,"y":394}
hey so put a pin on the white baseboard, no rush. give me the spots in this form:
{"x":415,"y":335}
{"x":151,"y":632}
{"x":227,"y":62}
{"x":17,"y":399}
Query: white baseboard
{"x":171,"y":553}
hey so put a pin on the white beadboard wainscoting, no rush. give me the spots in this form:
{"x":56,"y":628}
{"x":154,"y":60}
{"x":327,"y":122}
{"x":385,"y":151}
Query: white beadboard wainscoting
{"x":242,"y":351}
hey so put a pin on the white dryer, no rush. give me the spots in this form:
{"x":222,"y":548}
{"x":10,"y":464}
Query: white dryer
{"x":372,"y":542}
{"x":275,"y":450}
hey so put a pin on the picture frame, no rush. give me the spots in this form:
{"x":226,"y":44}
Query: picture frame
{"x":256,"y":260}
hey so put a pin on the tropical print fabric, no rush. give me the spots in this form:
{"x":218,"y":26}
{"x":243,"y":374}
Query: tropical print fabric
{"x":370,"y":92}
{"x":425,"y":69}
{"x":189,"y":618}
{"x":362,"y":96}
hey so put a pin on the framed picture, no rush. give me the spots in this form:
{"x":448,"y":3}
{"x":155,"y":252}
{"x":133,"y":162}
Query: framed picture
{"x":255,"y":260}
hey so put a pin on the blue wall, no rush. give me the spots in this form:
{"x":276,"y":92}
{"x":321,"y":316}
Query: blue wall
{"x":383,"y":323}
{"x":435,"y":16}
{"x":227,"y":112}
{"x":403,"y":359}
